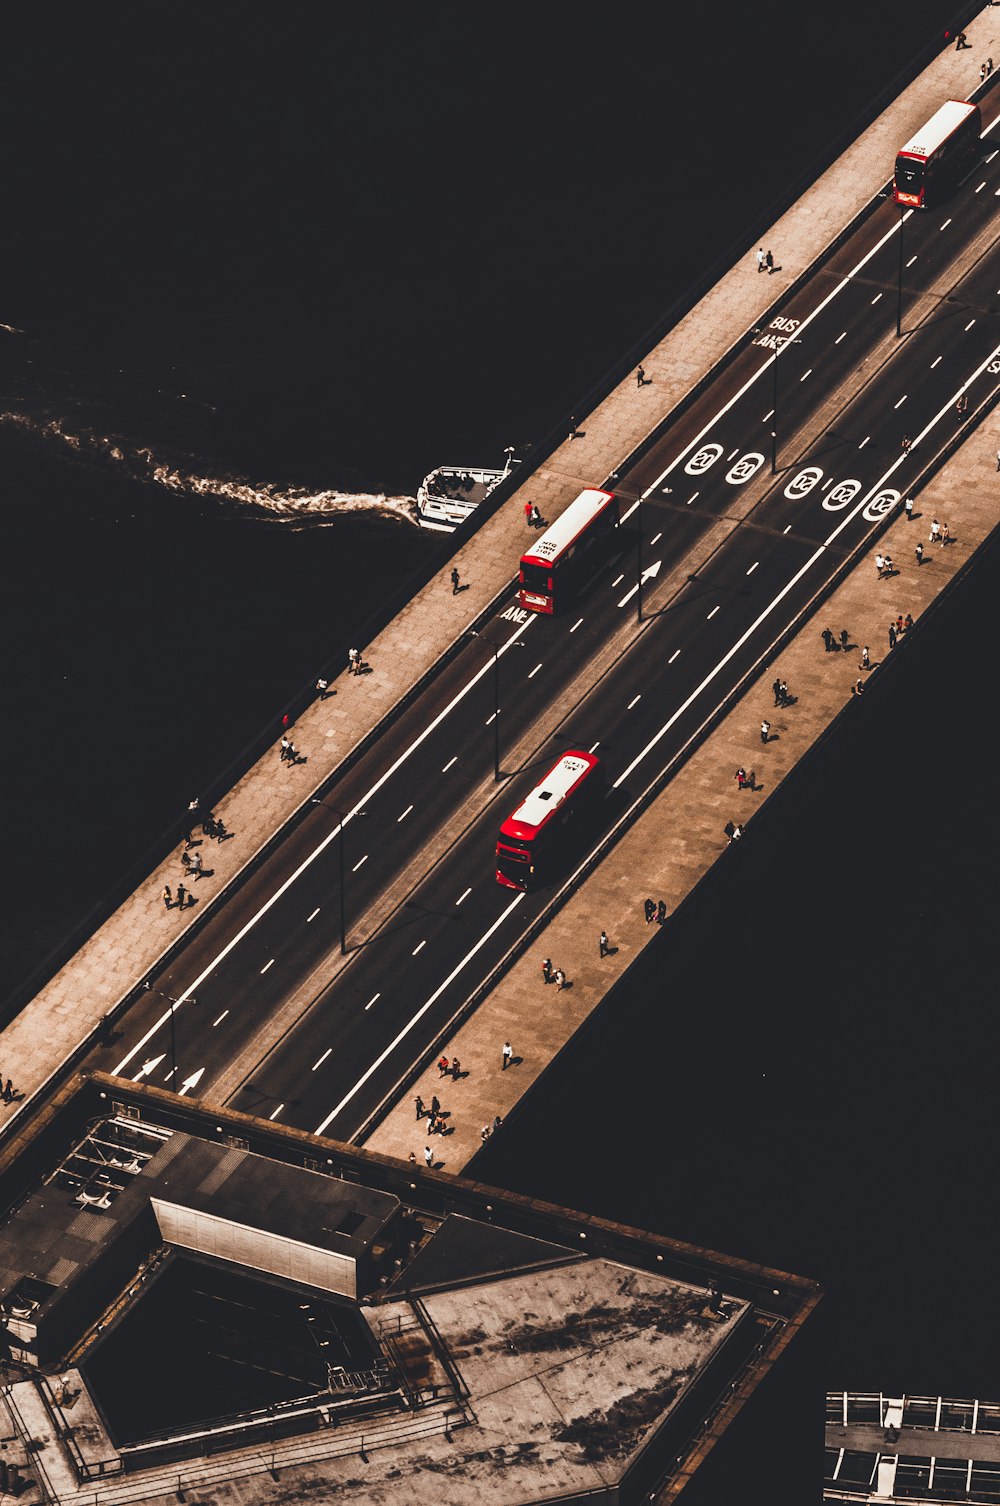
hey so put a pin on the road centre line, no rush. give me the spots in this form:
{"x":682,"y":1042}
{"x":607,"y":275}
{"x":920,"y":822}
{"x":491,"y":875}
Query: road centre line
{"x":655,"y":539}
{"x":449,"y":764}
{"x":690,"y":499}
{"x":360,"y":864}
{"x":864,"y":441}
{"x":875,"y":300}
{"x":595,"y":747}
{"x":981,"y":186}
{"x":326,"y":1053}
{"x":840,"y":337}
{"x":491,"y":719}
{"x":313,"y":915}
{"x":805,"y":374}
{"x":414,"y":1019}
{"x":767,"y":415}
{"x":989,"y":159}
{"x":804,"y":323}
{"x":790,"y":585}
{"x":283,"y":888}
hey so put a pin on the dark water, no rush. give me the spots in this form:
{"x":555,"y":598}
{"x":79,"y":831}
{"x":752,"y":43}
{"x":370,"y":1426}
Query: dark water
{"x":267,"y":267}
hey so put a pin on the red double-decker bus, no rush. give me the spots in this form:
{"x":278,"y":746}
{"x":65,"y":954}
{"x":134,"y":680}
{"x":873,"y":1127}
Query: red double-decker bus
{"x":532,"y":839}
{"x":931,"y":162}
{"x":569,"y":553}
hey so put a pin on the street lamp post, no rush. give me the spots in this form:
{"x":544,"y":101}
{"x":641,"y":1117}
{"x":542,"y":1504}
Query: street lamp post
{"x":780,"y":341}
{"x":899,"y":283}
{"x":175,"y":1004}
{"x":496,"y":647}
{"x":315,"y":800}
{"x":638,"y":560}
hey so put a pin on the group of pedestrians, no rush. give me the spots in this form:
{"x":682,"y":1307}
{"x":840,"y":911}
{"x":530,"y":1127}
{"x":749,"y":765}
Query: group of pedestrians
{"x":779,"y":690}
{"x":532,"y":516}
{"x":654,"y":910}
{"x":435,"y":1115}
{"x":765,"y":261}
{"x":9,"y":1091}
{"x":549,"y":975}
{"x":832,"y":643}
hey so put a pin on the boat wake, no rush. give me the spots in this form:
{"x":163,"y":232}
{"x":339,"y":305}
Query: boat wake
{"x":293,"y":505}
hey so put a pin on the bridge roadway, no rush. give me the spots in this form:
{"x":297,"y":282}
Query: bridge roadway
{"x":738,"y":554}
{"x":280,"y":1024}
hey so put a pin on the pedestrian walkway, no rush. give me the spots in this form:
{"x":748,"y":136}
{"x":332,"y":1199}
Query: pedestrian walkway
{"x":140,"y":934}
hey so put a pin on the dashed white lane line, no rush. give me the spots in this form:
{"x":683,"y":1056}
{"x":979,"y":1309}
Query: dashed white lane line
{"x":491,"y":718}
{"x":753,"y":567}
{"x":946,"y":224}
{"x":449,"y":764}
{"x":935,"y":361}
{"x":911,"y":261}
{"x":767,"y":415}
{"x":275,"y":1112}
{"x":360,"y":863}
{"x":576,"y":624}
{"x":787,"y":528}
{"x":595,"y":747}
{"x":693,"y":497}
{"x":313,"y":915}
{"x":900,"y":403}
{"x":989,"y":159}
{"x":219,"y":1021}
{"x":326,"y":1053}
{"x":805,"y":374}
{"x":711,"y":614}
{"x":634,"y":701}
{"x":981,"y":186}
{"x":968,"y":326}
{"x":419,"y":947}
{"x":419,"y":1014}
{"x":535,"y":670}
{"x":464,"y":896}
{"x":618,"y":580}
{"x":864,"y":442}
{"x":840,"y":337}
{"x":266,"y":966}
{"x":655,"y":539}
{"x":373,"y":1000}
{"x":674,"y":655}
{"x":733,"y":454}
{"x":875,"y":300}
{"x":404,"y":815}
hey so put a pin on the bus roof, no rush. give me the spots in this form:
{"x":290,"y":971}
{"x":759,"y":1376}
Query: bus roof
{"x":567,"y":527}
{"x":546,"y":798}
{"x":952,"y":114}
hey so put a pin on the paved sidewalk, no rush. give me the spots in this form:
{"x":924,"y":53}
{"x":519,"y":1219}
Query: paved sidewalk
{"x":128,"y":946}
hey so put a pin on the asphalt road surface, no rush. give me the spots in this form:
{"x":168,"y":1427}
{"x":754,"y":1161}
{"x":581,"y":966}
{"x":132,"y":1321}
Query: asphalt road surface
{"x":400,"y":853}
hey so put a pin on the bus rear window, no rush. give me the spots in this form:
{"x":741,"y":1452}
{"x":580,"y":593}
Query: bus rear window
{"x":536,"y":577}
{"x":909,"y":174}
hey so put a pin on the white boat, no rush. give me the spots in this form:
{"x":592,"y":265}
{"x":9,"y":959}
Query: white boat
{"x":451,"y":493}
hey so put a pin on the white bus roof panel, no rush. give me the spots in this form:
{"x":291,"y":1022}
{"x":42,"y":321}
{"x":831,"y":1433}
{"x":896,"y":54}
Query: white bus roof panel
{"x":940,"y":126}
{"x":565,"y":529}
{"x":552,"y":791}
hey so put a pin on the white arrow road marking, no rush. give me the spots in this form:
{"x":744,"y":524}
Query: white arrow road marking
{"x":648,"y":574}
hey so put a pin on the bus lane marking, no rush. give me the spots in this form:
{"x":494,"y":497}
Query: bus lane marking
{"x":326,"y":1053}
{"x":418,"y":1016}
{"x":321,"y":847}
{"x":872,"y":505}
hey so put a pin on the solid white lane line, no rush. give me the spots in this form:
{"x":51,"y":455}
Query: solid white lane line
{"x":417,"y":742}
{"x":419,"y":947}
{"x":935,"y":361}
{"x":793,"y":582}
{"x":675,"y":655}
{"x":634,"y":702}
{"x":266,"y":966}
{"x":753,"y":567}
{"x":374,"y":998}
{"x":761,"y":371}
{"x":464,"y":896}
{"x":219,"y":1021}
{"x":313,"y":915}
{"x":416,"y":1018}
{"x":360,"y":863}
{"x":326,"y":1053}
{"x":576,"y":624}
{"x":711,"y":614}
{"x":535,"y":670}
{"x":276,"y":1111}
{"x":404,"y":815}
{"x":900,"y":403}
{"x":450,"y":762}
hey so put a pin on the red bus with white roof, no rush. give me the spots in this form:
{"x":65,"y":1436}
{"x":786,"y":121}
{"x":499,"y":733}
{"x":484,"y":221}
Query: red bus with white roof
{"x":569,"y":553}
{"x":532,"y":839}
{"x":931,"y":161}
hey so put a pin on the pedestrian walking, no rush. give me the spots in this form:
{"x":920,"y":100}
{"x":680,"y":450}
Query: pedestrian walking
{"x":8,"y":1091}
{"x":650,"y":909}
{"x":527,"y":513}
{"x":945,"y":537}
{"x":776,"y":692}
{"x":456,"y":1068}
{"x":907,"y":623}
{"x":998,"y":460}
{"x":560,"y":980}
{"x":741,"y":777}
{"x":982,"y":72}
{"x":892,"y":635}
{"x":783,"y":693}
{"x":935,"y":532}
{"x":603,"y":946}
{"x":989,"y":66}
{"x":661,"y":913}
{"x":220,"y":834}
{"x":899,"y":625}
{"x":919,"y":552}
{"x":435,"y":1106}
{"x":168,"y":898}
{"x":640,"y":376}
{"x":497,"y":1121}
{"x":546,"y":970}
{"x":454,"y":581}
{"x":419,"y":1102}
{"x":322,"y":688}
{"x":961,"y":42}
{"x":353,"y":661}
{"x":762,"y":263}
{"x":181,"y":896}
{"x":536,"y":517}
{"x":444,"y":1067}
{"x":866,"y":662}
{"x":484,"y":1133}
{"x":879,"y":566}
{"x":285,"y":748}
{"x":195,"y":865}
{"x":574,"y":432}
{"x":828,"y":640}
{"x":428,"y":1156}
{"x":845,"y":639}
{"x":765,"y":731}
{"x":905,"y":444}
{"x":908,"y":508}
{"x":507,"y":1054}
{"x":769,"y":262}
